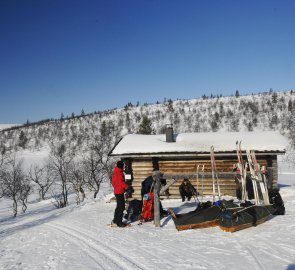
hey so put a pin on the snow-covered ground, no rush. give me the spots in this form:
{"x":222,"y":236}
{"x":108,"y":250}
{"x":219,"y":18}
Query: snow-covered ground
{"x":77,"y":237}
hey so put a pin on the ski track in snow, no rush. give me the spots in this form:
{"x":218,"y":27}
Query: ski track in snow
{"x":267,"y":252}
{"x":259,"y":265}
{"x":30,"y":221}
{"x":117,"y":260}
{"x":102,"y":261}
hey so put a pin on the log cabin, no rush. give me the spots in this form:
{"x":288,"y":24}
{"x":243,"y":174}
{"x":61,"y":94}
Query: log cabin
{"x":179,"y":155}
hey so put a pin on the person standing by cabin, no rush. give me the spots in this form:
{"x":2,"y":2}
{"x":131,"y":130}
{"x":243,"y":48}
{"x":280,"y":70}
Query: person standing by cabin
{"x":186,"y":189}
{"x":120,"y":186}
{"x":147,"y":186}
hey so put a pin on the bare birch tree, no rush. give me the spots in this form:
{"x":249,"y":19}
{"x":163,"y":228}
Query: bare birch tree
{"x":25,"y":191}
{"x":59,"y":165}
{"x":13,"y":182}
{"x":77,"y":180}
{"x":94,"y":170}
{"x":98,"y":165}
{"x":42,"y":178}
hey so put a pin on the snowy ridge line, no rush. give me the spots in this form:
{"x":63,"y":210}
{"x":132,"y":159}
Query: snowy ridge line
{"x":114,"y":256}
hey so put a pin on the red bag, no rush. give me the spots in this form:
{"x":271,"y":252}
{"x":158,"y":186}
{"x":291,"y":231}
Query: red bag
{"x":148,"y":207}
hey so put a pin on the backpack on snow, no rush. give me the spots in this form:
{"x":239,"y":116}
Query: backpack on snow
{"x":133,"y":210}
{"x":277,"y":201}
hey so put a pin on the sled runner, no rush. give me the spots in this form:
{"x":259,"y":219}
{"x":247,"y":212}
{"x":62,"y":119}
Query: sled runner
{"x":114,"y":225}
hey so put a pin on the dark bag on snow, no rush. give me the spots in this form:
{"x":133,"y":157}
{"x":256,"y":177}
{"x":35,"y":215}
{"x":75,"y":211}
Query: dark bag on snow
{"x":133,"y":210}
{"x":277,"y":201}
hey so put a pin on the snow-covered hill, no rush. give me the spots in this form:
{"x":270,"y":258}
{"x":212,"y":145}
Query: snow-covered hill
{"x":265,"y":111}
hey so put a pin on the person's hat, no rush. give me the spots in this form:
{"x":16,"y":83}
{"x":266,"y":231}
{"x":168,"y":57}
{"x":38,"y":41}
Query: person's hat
{"x":146,"y":197}
{"x":120,"y":164}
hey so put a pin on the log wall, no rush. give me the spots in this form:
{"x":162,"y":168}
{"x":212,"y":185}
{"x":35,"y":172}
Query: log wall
{"x":144,"y":168}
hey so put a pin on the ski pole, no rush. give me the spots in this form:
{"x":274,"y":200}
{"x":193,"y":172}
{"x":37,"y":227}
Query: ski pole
{"x":197,"y":182}
{"x":203,"y":175}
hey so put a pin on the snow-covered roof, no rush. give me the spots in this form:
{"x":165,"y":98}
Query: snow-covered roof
{"x":136,"y":144}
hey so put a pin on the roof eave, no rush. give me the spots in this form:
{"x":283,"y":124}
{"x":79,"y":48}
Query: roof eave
{"x":192,"y":154}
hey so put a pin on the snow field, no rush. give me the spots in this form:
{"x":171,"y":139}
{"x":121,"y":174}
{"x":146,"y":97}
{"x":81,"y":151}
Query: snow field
{"x":77,"y":237}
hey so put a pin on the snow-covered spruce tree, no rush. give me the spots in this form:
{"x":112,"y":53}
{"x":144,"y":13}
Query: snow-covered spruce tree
{"x":146,"y":126}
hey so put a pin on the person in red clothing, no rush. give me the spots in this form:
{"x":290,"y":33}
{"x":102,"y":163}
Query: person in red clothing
{"x":120,"y":186}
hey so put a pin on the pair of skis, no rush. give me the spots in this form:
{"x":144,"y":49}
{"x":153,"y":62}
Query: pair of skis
{"x":258,"y":176}
{"x":242,"y":167}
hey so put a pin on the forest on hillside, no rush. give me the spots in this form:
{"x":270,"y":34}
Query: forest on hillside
{"x":265,"y":111}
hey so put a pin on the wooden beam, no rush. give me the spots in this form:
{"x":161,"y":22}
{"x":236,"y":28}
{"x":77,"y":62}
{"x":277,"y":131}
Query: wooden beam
{"x":156,"y":177}
{"x":163,"y":189}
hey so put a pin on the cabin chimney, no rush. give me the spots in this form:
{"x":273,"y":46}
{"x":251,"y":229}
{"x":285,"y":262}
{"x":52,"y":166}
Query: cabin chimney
{"x":169,"y":133}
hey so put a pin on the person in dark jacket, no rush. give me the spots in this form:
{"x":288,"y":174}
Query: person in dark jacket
{"x":148,"y":186}
{"x":120,"y":186}
{"x":186,"y":189}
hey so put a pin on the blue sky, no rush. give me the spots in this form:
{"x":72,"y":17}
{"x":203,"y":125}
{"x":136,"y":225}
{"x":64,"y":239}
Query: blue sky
{"x":62,"y":56}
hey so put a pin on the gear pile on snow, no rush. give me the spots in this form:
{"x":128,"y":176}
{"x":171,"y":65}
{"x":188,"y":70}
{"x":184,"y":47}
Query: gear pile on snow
{"x":228,"y":215}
